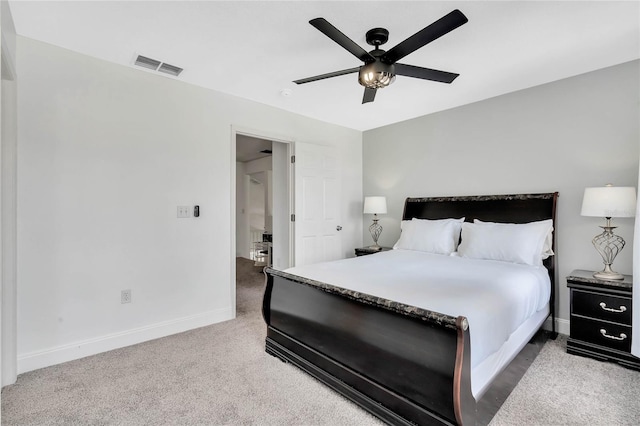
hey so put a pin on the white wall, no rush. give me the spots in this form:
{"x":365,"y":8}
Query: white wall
{"x":261,"y":170}
{"x":259,"y":165}
{"x":258,"y":192}
{"x":8,"y":213}
{"x":105,"y":155}
{"x":563,"y":136}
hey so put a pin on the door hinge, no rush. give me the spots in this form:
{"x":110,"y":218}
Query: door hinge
{"x":293,"y":218}
{"x":293,"y":159}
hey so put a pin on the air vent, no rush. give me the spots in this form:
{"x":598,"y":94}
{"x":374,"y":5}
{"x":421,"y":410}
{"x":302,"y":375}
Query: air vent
{"x":153,"y":64}
{"x":143,"y":61}
{"x":170,"y":69}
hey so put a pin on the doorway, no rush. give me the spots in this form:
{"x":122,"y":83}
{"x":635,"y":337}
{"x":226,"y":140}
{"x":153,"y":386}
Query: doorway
{"x":263,"y":202}
{"x":254,"y":199}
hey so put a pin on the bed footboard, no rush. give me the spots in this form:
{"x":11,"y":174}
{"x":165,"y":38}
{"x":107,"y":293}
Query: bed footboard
{"x":401,"y":363}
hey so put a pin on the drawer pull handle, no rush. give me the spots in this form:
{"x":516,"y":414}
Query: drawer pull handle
{"x":604,"y":307}
{"x":608,"y":336}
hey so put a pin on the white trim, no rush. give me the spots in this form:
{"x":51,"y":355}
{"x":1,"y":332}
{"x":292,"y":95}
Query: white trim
{"x":562,"y":325}
{"x":232,"y":258}
{"x":40,"y":359}
{"x":291,"y":152}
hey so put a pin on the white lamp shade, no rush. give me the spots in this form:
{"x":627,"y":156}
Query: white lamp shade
{"x":375,"y":205}
{"x":609,"y":201}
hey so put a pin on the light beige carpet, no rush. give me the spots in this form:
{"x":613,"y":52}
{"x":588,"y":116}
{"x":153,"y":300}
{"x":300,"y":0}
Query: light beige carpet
{"x":563,"y":389}
{"x":220,"y":375}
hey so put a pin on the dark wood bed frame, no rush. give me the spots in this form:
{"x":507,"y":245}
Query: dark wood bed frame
{"x":403,"y":364}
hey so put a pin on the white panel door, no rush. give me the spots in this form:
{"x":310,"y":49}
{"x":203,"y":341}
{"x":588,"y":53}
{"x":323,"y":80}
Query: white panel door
{"x":317,"y":210}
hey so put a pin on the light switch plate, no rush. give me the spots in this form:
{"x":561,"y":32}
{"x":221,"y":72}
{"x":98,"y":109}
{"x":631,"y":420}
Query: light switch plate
{"x":183,"y":211}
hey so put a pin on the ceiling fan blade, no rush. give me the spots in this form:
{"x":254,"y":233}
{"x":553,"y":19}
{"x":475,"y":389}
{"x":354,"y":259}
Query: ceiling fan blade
{"x":425,"y":73}
{"x":336,"y":35}
{"x":369,"y":95}
{"x":436,"y":30}
{"x":327,"y":75}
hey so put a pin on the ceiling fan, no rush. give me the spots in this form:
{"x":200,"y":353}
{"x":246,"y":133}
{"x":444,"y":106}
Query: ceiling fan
{"x":380,"y":67}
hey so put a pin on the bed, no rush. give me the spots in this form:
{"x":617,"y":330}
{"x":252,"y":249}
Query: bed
{"x":372,"y":336}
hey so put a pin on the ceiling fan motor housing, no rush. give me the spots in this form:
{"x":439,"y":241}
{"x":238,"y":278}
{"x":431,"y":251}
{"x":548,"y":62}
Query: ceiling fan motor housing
{"x":377,"y":36}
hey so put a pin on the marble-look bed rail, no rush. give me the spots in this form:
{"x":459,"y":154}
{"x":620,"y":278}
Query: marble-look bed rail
{"x":401,"y":308}
{"x":510,"y":197}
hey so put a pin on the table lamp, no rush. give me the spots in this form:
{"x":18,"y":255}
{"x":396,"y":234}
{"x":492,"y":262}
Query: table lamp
{"x":609,"y":201}
{"x":375,"y":205}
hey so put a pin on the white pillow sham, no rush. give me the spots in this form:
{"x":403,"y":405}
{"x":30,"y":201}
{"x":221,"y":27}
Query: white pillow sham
{"x":507,"y":242}
{"x":548,"y":242}
{"x":438,"y":236}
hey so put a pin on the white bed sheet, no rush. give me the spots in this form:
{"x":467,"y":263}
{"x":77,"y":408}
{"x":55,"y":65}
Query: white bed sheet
{"x":496,"y":297}
{"x":482,"y":374}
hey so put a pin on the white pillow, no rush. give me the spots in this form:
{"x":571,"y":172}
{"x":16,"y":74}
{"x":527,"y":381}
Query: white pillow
{"x":548,"y":242}
{"x":439,"y":236}
{"x":507,"y":242}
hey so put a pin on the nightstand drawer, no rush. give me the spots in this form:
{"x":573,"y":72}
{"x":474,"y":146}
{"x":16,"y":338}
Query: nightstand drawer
{"x":601,"y":306}
{"x":601,"y":333}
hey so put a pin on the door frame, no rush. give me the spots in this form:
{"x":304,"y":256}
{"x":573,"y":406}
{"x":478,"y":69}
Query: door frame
{"x":290,"y":141}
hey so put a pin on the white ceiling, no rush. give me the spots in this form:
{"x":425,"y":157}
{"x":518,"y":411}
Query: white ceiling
{"x":249,"y":148}
{"x":255,"y":49}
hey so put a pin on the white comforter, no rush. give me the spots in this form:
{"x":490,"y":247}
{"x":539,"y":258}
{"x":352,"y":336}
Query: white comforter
{"x":496,"y":297}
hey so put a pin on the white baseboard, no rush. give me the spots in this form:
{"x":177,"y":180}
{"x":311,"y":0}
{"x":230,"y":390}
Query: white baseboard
{"x":40,"y":359}
{"x":562,"y":325}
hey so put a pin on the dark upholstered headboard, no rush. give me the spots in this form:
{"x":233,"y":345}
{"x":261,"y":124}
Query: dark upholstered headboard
{"x":519,"y":208}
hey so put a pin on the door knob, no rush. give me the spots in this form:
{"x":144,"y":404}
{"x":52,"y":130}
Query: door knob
{"x":338,"y":228}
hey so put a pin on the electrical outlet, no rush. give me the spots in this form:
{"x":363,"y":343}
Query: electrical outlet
{"x":125,"y":296}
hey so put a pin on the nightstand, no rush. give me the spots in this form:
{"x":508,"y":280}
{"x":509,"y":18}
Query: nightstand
{"x":601,"y":318}
{"x":363,"y":251}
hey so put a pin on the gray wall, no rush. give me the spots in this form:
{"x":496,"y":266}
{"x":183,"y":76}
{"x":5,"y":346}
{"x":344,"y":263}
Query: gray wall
{"x":562,"y":136}
{"x":105,"y":155}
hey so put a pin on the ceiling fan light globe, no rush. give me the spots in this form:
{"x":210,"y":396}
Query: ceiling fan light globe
{"x":376,"y":80}
{"x":376,"y":75}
